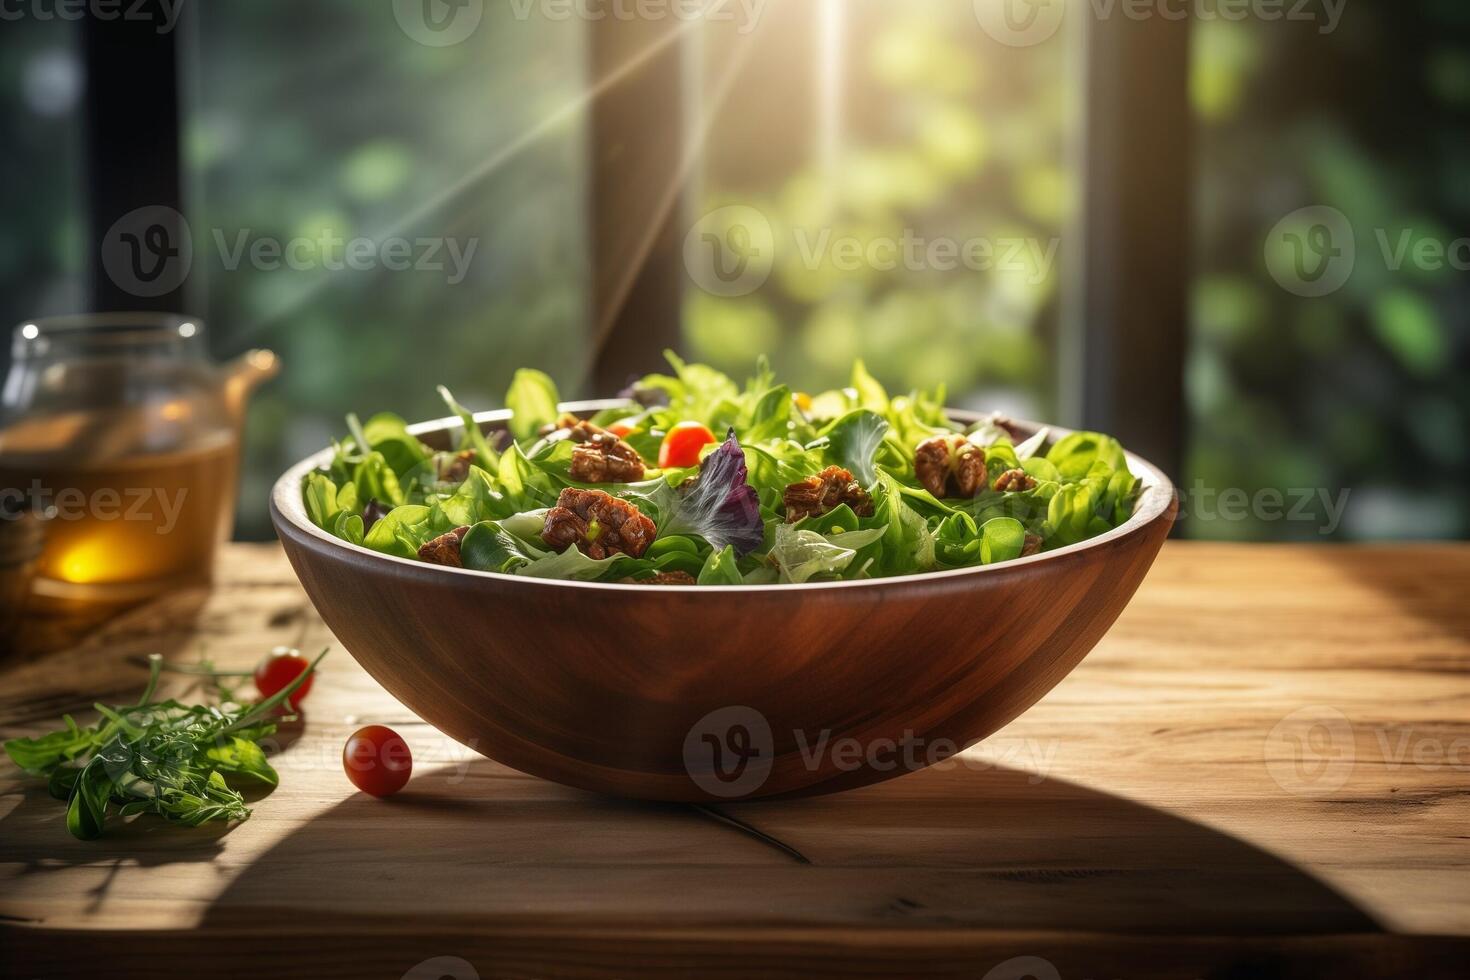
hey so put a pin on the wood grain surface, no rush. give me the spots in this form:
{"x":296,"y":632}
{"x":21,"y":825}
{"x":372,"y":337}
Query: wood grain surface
{"x":1262,"y":770}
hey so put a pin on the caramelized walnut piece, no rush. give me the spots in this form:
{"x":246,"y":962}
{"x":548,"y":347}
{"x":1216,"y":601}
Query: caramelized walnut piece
{"x":598,"y":524}
{"x":600,"y":456}
{"x":1014,"y":480}
{"x":931,"y":465}
{"x":969,"y":469}
{"x":1032,"y":545}
{"x":444,"y":550}
{"x":665,"y":578}
{"x":950,"y":466}
{"x":828,"y":490}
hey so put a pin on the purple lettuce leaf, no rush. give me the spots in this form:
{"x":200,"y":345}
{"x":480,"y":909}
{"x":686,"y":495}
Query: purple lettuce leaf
{"x":720,"y":505}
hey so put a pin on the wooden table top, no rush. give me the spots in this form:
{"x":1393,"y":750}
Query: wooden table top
{"x":1262,"y":770}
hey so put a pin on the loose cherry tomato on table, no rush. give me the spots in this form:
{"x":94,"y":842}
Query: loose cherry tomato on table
{"x":377,"y":760}
{"x":681,"y":446}
{"x":276,"y":672}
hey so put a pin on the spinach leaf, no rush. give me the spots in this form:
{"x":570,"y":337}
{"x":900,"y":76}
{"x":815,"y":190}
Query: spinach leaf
{"x":398,"y":532}
{"x":320,"y":496}
{"x":388,"y":434}
{"x":721,"y":568}
{"x":533,"y":401}
{"x":1001,"y":539}
{"x":1074,"y":455}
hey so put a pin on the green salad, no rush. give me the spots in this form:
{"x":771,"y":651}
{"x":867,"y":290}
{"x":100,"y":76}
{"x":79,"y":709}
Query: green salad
{"x":693,"y":479}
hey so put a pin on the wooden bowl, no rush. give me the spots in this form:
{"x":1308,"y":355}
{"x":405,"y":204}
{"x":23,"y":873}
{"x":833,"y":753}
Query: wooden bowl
{"x":697,"y":693}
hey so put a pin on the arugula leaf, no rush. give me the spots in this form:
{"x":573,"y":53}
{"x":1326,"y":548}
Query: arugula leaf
{"x":908,"y":544}
{"x":870,"y":394}
{"x":533,"y":401}
{"x":853,"y":443}
{"x":472,"y":437}
{"x":801,"y":555}
{"x":376,"y":480}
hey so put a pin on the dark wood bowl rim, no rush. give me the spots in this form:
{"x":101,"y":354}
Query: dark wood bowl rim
{"x":288,"y":511}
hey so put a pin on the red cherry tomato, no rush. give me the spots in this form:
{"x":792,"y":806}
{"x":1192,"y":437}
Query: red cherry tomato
{"x":280,"y":667}
{"x":377,"y":760}
{"x":620,"y":430}
{"x":681,"y":446}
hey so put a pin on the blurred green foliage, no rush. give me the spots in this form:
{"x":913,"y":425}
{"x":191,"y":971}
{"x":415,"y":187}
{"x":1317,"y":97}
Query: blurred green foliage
{"x":41,"y":258}
{"x":1367,"y":388}
{"x":933,"y":142}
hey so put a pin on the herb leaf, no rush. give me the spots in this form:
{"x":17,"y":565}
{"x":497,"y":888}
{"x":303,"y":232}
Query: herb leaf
{"x":158,"y":757}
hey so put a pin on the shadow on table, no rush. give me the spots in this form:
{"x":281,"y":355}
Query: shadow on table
{"x":991,"y":850}
{"x":29,"y":814}
{"x":1426,"y":582}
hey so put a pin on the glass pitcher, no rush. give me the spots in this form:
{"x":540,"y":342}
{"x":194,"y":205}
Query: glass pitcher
{"x":119,"y":430}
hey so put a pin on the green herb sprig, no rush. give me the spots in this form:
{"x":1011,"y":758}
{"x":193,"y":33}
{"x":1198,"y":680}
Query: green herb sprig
{"x":161,"y":757}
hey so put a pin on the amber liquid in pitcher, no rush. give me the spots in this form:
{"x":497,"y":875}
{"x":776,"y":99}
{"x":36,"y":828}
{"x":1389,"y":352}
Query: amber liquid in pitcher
{"x":134,"y":524}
